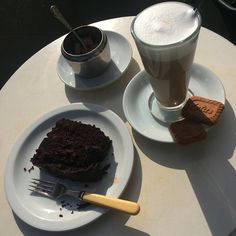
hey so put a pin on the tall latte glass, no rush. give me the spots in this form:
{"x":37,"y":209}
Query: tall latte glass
{"x":166,"y":37}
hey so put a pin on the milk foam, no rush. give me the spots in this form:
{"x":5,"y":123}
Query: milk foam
{"x":165,"y":23}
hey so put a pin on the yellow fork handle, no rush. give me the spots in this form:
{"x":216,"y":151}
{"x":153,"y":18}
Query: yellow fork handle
{"x":114,"y":203}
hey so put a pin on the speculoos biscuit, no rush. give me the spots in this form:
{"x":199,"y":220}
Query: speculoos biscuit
{"x":202,"y":110}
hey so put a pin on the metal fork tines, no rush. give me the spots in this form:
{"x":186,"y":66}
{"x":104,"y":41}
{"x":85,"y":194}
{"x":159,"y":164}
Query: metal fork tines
{"x":42,"y":187}
{"x":56,"y":190}
{"x":51,"y":189}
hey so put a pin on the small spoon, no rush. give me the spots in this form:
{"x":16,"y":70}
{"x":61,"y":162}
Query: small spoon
{"x":198,"y":5}
{"x":57,"y":14}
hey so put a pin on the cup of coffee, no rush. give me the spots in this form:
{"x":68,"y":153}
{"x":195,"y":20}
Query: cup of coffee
{"x":166,"y":36}
{"x":91,"y":59}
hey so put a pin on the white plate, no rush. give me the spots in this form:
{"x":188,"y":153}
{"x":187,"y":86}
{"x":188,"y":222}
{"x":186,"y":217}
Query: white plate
{"x":135,"y":101}
{"x":43,"y":213}
{"x":121,"y":53}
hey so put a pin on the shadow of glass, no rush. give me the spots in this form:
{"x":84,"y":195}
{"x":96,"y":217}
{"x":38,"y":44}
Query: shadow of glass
{"x":111,"y":223}
{"x":103,"y":96}
{"x":207,"y":164}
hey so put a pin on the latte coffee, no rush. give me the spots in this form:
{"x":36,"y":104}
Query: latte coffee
{"x":166,"y":37}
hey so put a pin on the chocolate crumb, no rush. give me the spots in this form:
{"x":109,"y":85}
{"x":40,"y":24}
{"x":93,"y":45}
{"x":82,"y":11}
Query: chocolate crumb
{"x":81,"y":206}
{"x":106,"y":167}
{"x":60,"y":215}
{"x":25,"y":169}
{"x":31,"y":168}
{"x":60,"y":209}
{"x":72,"y":212}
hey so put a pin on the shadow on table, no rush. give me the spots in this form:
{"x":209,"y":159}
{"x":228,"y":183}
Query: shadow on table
{"x":103,"y":96}
{"x":111,"y":223}
{"x":207,"y":165}
{"x":233,"y":233}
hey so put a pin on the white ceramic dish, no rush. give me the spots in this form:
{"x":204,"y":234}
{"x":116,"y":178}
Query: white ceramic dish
{"x":43,"y":213}
{"x":203,"y":83}
{"x":121,"y":54}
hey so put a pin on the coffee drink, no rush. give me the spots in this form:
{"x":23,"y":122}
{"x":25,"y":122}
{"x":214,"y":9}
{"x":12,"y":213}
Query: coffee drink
{"x":166,"y":37}
{"x":169,"y":79}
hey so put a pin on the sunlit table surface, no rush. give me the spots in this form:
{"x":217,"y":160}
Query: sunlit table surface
{"x":181,"y":190}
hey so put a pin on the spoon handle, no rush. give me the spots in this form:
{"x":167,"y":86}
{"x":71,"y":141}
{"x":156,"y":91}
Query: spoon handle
{"x":198,"y":5}
{"x":57,"y":14}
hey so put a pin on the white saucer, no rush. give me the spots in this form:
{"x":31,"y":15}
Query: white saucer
{"x":203,"y":83}
{"x":121,"y":53}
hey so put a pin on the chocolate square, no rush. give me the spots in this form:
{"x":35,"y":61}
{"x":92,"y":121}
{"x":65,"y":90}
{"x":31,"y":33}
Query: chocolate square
{"x":185,"y":132}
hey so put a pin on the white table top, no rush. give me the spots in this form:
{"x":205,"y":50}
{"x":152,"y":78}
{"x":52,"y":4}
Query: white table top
{"x":182,"y":190}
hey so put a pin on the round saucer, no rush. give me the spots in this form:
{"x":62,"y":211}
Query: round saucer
{"x":121,"y":54}
{"x":202,"y":83}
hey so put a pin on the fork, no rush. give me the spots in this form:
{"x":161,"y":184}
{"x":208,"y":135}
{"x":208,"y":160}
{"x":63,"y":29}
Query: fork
{"x":56,"y":190}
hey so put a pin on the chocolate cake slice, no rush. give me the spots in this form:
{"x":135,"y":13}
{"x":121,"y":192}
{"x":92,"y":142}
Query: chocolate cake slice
{"x":73,"y":150}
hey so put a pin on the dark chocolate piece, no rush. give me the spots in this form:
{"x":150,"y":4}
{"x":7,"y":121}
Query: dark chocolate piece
{"x":185,"y":132}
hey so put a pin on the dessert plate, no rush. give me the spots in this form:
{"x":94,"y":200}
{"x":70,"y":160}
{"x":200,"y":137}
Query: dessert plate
{"x":121,"y":53}
{"x":51,"y":215}
{"x":203,"y":83}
